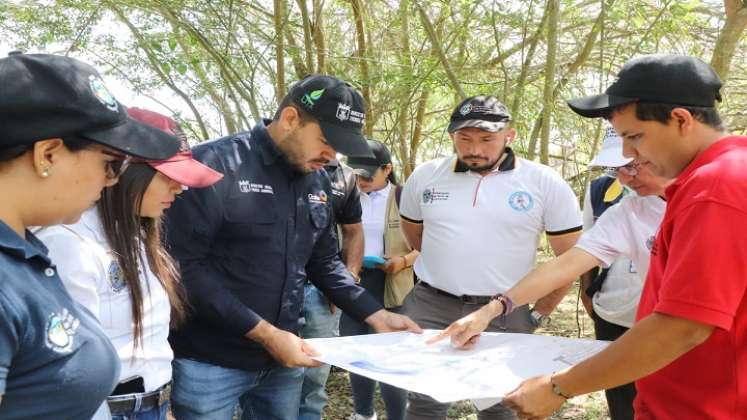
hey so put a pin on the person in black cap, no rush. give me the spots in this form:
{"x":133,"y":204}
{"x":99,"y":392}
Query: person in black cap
{"x":64,"y":138}
{"x":246,"y":246}
{"x":476,"y":218}
{"x":389,"y":282}
{"x":687,"y":350}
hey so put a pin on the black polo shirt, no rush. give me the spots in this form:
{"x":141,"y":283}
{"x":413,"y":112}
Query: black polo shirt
{"x":346,"y":198}
{"x":245,"y":246}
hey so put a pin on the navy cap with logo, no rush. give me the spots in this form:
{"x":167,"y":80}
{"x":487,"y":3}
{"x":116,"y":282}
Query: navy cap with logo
{"x":483,"y":112}
{"x":339,"y":109}
{"x":50,"y":96}
{"x":367,"y":166}
{"x":659,"y":78}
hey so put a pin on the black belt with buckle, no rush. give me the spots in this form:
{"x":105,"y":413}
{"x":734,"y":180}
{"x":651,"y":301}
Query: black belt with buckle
{"x":148,"y":400}
{"x":470,"y":300}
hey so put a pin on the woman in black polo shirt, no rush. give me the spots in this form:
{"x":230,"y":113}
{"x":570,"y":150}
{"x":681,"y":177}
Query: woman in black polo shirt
{"x":64,"y":138}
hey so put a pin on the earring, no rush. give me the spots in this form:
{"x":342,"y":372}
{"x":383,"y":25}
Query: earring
{"x":45,"y":173}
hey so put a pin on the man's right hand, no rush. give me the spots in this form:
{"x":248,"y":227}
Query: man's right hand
{"x":287,"y":348}
{"x":465,"y":332}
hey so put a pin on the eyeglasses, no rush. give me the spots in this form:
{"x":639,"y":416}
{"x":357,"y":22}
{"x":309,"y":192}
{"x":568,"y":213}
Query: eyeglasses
{"x":116,"y":167}
{"x":630,"y":169}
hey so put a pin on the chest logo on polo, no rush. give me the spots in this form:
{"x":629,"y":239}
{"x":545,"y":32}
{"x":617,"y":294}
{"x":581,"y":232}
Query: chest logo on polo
{"x":250,"y":187}
{"x":115,"y":276}
{"x":431,"y":195}
{"x":521,"y":201}
{"x":318,"y":198}
{"x":60,"y":331}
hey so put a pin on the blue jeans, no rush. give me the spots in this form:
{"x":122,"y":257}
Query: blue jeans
{"x":320,"y":323}
{"x":395,"y":399}
{"x":203,"y":391}
{"x":155,"y":413}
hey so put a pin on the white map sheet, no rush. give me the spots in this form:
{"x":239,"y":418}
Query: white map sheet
{"x":496,"y":366}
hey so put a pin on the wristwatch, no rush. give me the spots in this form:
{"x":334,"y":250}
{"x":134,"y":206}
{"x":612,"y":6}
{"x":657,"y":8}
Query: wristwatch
{"x":539,"y":319}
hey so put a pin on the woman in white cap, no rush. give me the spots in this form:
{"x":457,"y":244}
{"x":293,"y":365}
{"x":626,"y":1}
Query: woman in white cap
{"x":114,"y":263}
{"x":64,"y":138}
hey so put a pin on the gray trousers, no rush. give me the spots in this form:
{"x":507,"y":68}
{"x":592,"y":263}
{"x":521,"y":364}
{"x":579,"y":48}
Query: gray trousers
{"x":433,"y":310}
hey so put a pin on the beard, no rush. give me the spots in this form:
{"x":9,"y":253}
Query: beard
{"x":479,"y":163}
{"x":293,"y":150}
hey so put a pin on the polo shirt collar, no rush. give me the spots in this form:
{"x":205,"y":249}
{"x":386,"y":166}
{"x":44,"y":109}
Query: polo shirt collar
{"x":709,"y":154}
{"x":508,"y":164}
{"x":382,"y":192}
{"x":268,"y":148}
{"x":16,"y":246}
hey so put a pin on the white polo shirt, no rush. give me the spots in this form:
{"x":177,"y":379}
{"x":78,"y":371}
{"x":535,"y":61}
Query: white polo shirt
{"x":480,"y":233}
{"x":373,"y":213}
{"x":626,"y":229}
{"x":92,"y":277}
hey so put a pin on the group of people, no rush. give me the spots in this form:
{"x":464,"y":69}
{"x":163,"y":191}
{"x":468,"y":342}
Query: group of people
{"x":138,"y":276}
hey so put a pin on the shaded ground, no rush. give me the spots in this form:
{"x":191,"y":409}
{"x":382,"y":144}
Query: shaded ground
{"x":565,"y":323}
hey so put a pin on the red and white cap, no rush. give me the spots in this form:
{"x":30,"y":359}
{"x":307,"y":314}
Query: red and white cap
{"x":182,"y":167}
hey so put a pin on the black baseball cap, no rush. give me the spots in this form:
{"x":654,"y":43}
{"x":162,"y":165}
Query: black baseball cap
{"x":50,"y":96}
{"x":661,"y":78}
{"x":338,"y":107}
{"x":367,"y":166}
{"x":483,"y":112}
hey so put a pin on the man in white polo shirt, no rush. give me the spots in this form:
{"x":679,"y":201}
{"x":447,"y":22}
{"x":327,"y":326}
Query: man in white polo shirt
{"x":477,"y":218}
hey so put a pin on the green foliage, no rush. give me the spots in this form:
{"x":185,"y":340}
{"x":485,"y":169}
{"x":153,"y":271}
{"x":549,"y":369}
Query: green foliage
{"x":214,"y":62}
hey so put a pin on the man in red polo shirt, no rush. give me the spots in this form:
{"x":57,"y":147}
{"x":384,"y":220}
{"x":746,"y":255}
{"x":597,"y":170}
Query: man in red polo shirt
{"x":687,"y":351}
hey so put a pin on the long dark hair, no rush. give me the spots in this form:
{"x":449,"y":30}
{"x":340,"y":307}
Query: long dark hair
{"x":127,"y":233}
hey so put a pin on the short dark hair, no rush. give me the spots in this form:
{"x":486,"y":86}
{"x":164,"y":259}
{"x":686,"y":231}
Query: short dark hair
{"x":303,"y":115}
{"x":660,"y":112}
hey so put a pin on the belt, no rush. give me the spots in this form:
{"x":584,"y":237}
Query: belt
{"x":468,"y":299}
{"x":148,"y":400}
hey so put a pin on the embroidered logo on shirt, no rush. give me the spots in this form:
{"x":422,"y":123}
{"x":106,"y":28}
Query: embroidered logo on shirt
{"x":431,"y":195}
{"x":650,"y":242}
{"x":247,"y":187}
{"x":521,"y":201}
{"x":61,"y":330}
{"x":318,"y":198}
{"x":115,"y":275}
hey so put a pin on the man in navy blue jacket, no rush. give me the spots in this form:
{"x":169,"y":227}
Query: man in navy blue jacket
{"x":246,"y":246}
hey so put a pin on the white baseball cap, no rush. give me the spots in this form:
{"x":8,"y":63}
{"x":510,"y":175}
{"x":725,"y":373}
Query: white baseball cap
{"x":611,"y":155}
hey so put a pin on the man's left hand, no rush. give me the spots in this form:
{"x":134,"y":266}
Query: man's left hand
{"x":385,"y":321}
{"x":534,"y":399}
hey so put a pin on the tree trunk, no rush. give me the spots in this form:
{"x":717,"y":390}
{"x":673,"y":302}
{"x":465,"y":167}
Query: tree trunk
{"x":729,"y":36}
{"x":279,"y":19}
{"x":318,"y":32}
{"x":307,"y":42}
{"x":360,"y":34}
{"x":436,"y":44}
{"x":553,"y":9}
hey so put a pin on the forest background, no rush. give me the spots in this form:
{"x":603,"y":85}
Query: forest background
{"x":221,"y":65}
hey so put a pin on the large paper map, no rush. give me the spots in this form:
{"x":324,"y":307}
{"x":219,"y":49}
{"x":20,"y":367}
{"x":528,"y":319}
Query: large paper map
{"x":498,"y":363}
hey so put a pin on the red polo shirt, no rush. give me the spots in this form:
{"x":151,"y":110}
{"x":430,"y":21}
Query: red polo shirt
{"x":699,"y":272}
